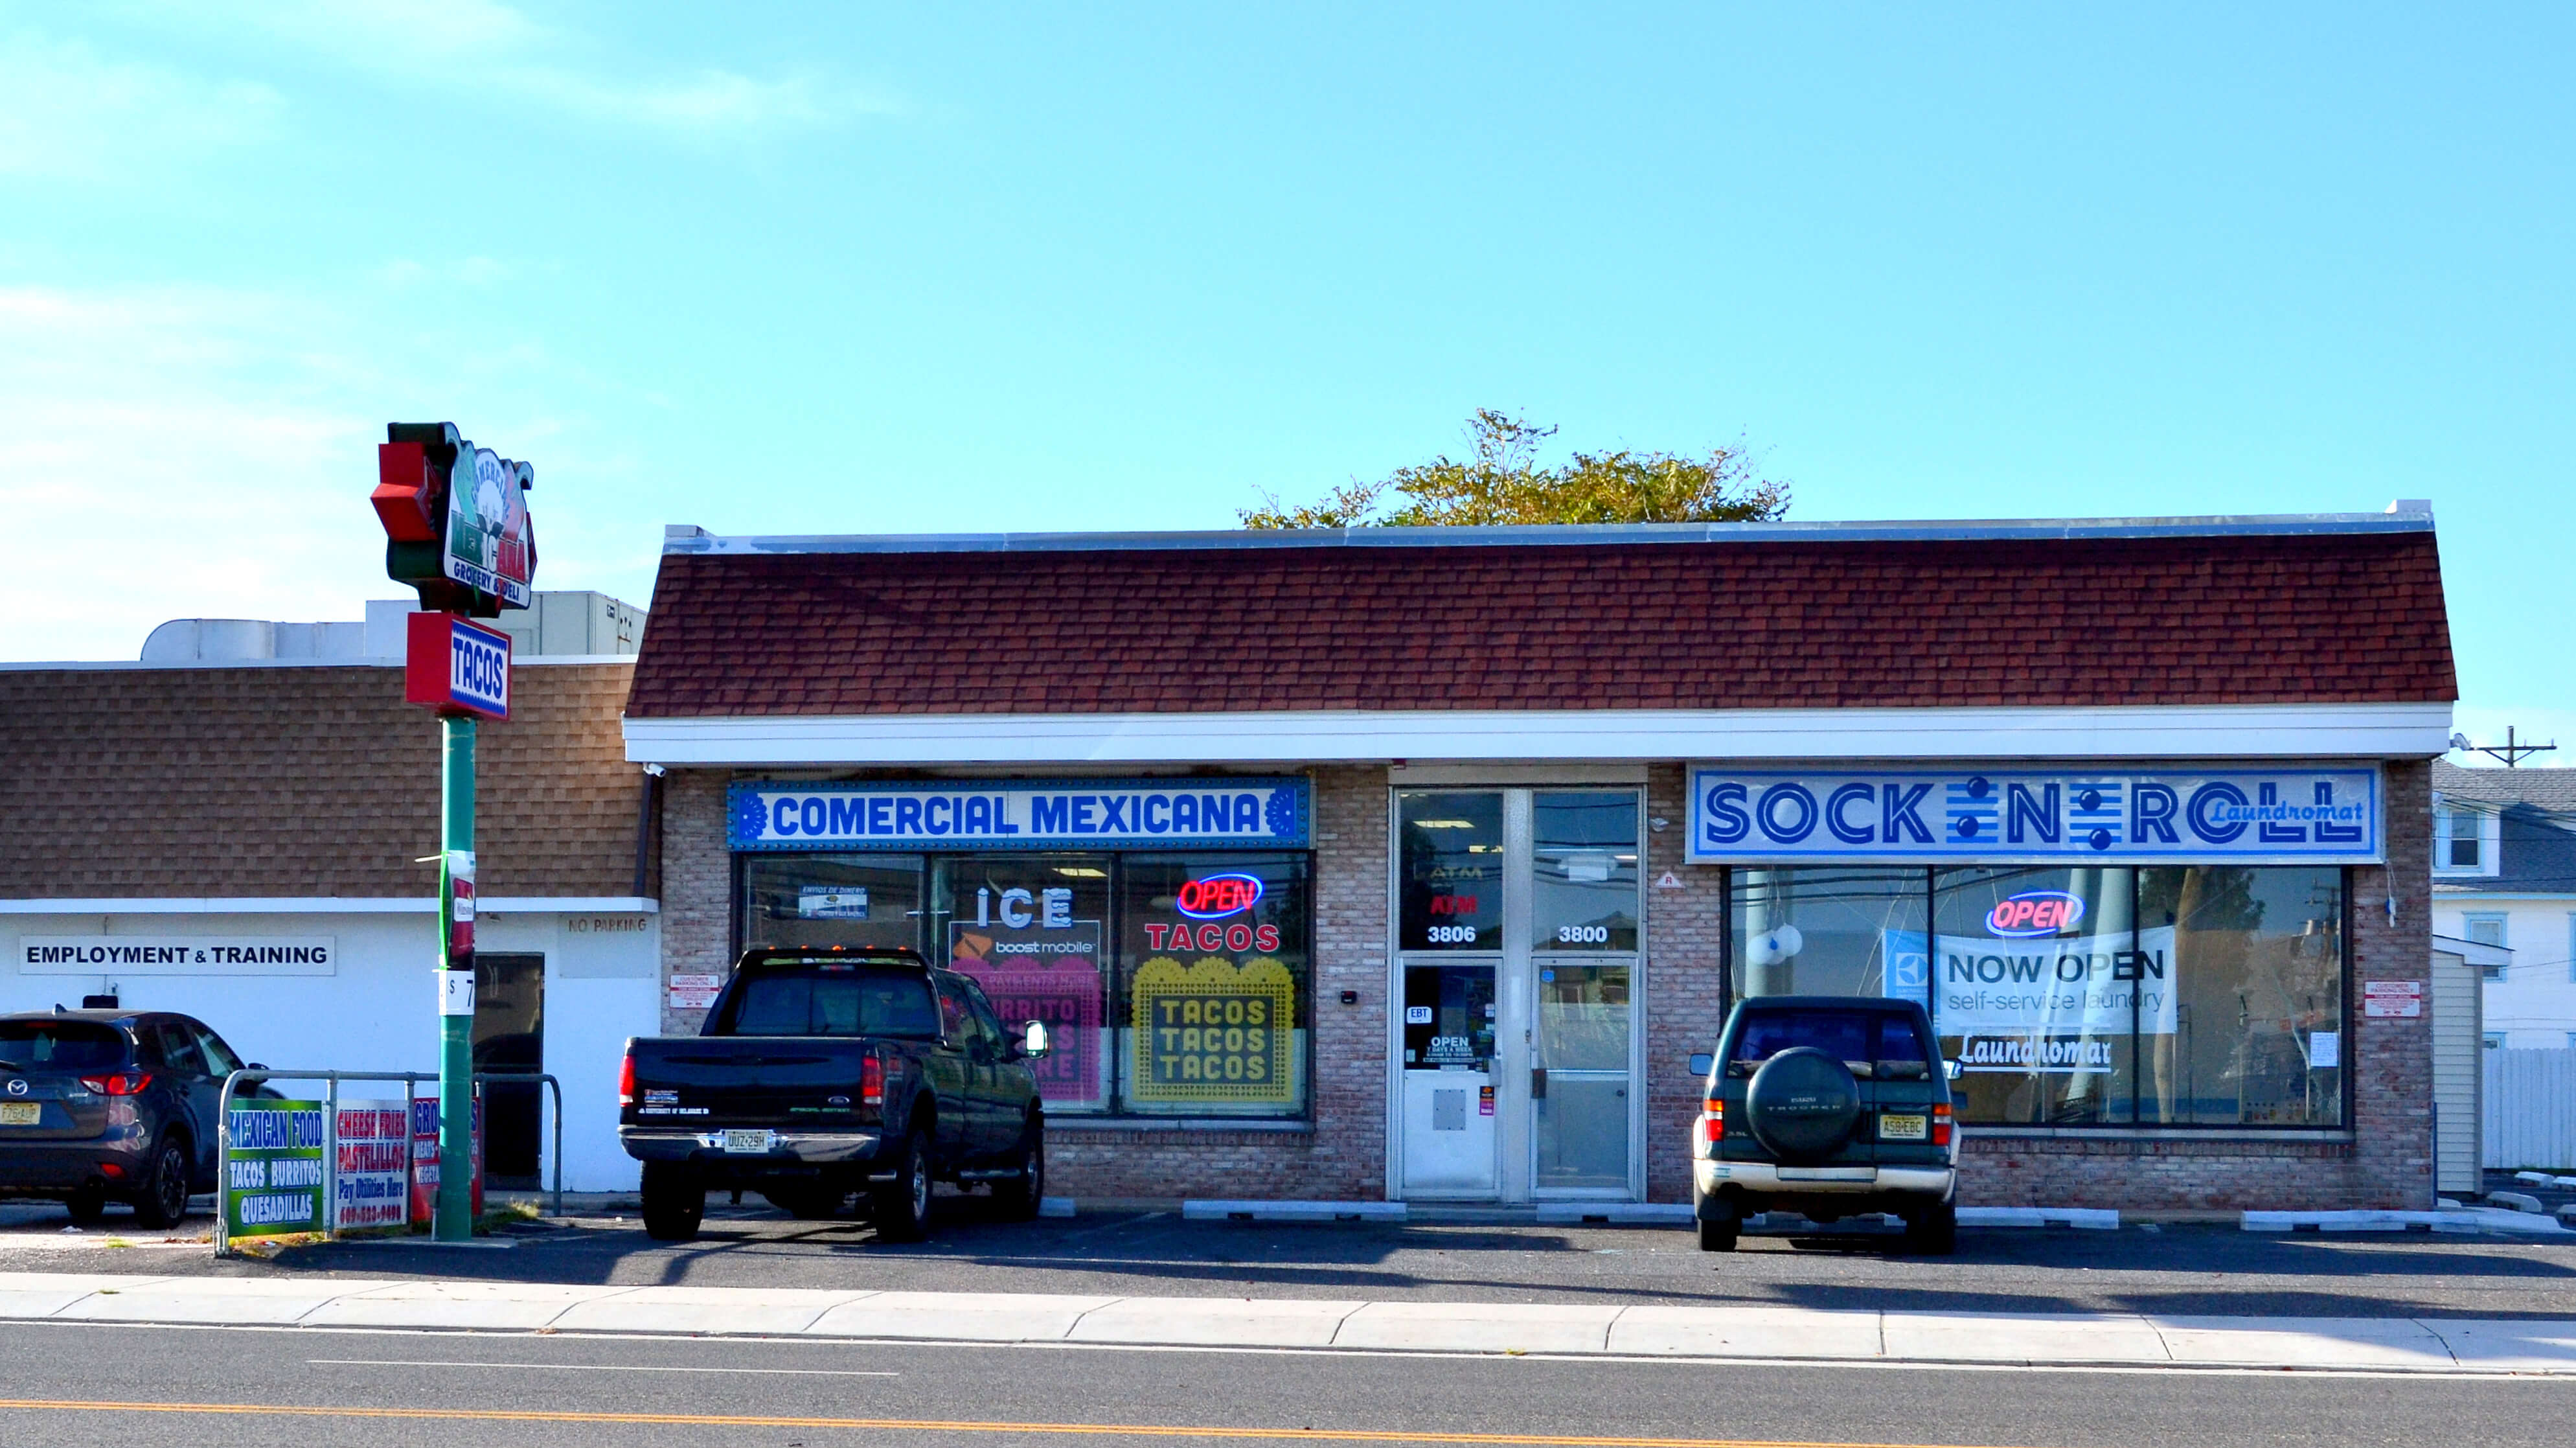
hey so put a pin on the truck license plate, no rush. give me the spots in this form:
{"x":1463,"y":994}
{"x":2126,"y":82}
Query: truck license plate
{"x":1903,"y":1128}
{"x":21,"y":1113}
{"x":749,"y":1142}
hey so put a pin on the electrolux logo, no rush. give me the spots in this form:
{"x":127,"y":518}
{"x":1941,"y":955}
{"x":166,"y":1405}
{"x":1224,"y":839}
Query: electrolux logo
{"x":2034,"y":913}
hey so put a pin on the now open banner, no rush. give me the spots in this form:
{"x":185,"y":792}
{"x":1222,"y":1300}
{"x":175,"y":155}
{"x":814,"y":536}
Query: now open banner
{"x":2038,"y":1004}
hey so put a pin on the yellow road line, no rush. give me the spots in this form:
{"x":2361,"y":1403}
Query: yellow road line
{"x":912,"y":1425}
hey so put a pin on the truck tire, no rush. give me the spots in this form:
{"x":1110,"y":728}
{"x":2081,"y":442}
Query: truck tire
{"x":1717,"y":1236}
{"x":1933,"y":1231}
{"x":675,"y":1200}
{"x":1802,"y":1105}
{"x":1718,"y":1222}
{"x":902,"y":1207}
{"x":1019,"y":1196}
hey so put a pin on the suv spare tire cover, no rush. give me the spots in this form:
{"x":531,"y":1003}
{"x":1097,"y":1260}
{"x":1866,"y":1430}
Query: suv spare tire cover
{"x":1802,"y":1104}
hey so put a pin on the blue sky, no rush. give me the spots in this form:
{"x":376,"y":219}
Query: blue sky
{"x":844,"y":268}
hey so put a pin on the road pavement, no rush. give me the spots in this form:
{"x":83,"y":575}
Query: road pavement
{"x":2193,"y":1270}
{"x":110,"y":1384}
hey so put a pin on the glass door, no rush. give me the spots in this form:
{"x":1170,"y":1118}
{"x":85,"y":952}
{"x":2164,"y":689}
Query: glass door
{"x":1583,"y":951}
{"x":1518,"y":947}
{"x":1449,"y":939}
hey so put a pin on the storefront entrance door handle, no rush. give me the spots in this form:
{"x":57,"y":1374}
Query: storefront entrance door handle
{"x":1538,"y":1083}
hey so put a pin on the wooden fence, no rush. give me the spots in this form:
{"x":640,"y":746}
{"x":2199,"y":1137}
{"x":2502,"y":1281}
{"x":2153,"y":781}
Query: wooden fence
{"x":2530,"y":1109}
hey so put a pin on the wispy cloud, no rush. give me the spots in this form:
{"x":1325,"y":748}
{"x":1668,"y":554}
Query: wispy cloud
{"x":516,"y":58}
{"x":173,"y":452}
{"x":66,"y":111}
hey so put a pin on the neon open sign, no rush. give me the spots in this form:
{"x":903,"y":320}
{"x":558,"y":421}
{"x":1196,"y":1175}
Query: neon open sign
{"x":2034,"y":912}
{"x":1216,"y":896}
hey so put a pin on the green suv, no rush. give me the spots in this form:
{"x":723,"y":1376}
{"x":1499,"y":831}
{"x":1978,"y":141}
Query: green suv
{"x":1830,"y":1107}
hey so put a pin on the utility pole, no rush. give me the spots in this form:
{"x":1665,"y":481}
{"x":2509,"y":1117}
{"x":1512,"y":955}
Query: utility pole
{"x":2511,"y":751}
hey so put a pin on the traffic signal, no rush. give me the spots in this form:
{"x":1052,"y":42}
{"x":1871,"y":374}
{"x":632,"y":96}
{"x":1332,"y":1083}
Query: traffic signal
{"x":416,"y":467}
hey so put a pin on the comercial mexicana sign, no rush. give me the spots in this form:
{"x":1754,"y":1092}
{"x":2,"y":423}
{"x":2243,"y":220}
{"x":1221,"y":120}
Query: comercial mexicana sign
{"x":1012,"y":814}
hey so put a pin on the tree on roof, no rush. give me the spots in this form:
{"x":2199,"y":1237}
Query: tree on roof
{"x":1501,"y":482}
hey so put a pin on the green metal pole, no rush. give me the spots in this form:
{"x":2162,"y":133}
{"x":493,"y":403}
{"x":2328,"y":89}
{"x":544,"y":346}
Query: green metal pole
{"x":454,"y":1219}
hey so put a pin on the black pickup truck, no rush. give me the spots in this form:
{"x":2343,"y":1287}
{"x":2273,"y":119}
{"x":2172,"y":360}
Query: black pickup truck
{"x":827,"y":1071}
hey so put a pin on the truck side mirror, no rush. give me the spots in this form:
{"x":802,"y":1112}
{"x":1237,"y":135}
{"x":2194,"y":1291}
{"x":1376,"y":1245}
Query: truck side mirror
{"x":1701,"y":1063}
{"x":1950,"y":1070}
{"x":1033,"y":1039}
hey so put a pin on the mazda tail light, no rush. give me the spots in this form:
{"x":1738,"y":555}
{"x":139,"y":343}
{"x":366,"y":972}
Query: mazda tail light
{"x":626,"y":1080}
{"x":123,"y":1083}
{"x":872,"y":1080}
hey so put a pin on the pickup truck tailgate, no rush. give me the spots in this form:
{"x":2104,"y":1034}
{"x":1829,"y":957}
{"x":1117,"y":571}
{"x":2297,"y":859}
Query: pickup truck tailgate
{"x":747,"y":1081}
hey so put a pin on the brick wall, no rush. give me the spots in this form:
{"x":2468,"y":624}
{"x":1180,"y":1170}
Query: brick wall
{"x":1343,"y":1157}
{"x":1684,"y":968}
{"x":2388,"y":1164}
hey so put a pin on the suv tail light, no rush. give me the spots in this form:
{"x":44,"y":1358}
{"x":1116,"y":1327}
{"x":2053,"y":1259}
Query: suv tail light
{"x":124,"y":1083}
{"x":872,"y":1080}
{"x":626,"y":1080}
{"x":1712,"y":1125}
{"x":1941,"y":1123}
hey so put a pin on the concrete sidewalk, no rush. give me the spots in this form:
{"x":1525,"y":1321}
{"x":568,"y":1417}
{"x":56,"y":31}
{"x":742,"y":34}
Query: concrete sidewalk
{"x":1777,"y":1334}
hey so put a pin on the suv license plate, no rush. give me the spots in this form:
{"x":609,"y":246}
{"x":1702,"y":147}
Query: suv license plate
{"x":750,"y":1142}
{"x":21,"y":1113}
{"x":1904,"y":1128}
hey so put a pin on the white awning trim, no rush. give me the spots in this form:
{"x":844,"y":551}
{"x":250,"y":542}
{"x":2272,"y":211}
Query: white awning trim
{"x":2259,"y":731}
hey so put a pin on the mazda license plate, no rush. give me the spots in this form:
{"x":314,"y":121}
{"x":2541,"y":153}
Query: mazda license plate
{"x":21,"y":1113}
{"x":749,"y":1142}
{"x":1904,"y":1128}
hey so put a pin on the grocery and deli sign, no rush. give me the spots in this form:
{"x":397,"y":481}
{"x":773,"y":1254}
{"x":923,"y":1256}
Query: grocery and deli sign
{"x":2103,"y":816}
{"x":1126,"y":814}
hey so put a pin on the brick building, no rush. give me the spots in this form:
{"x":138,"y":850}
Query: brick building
{"x":1416,"y":863}
{"x":157,"y":814}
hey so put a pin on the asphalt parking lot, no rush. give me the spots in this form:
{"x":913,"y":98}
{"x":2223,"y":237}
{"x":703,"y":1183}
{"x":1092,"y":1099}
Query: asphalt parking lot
{"x":2184,"y":1269}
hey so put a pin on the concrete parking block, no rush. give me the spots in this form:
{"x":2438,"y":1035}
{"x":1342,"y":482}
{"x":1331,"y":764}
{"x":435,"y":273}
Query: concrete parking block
{"x":1617,"y":1214}
{"x":2306,"y":1342}
{"x":243,"y":1300}
{"x":2507,"y":1345}
{"x":42,"y":1294}
{"x":1750,"y":1332}
{"x":2021,"y":1337}
{"x":959,"y":1316}
{"x":705,"y":1310}
{"x":1262,"y":1211}
{"x":1479,"y":1327}
{"x":458,"y":1304}
{"x":1215,"y":1321}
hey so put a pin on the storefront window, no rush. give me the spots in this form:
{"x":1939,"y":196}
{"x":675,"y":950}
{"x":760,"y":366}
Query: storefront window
{"x":2040,"y":985}
{"x":2193,"y":996}
{"x":1584,"y":871}
{"x":2256,"y":1035}
{"x":1829,"y":930}
{"x":1451,"y":891}
{"x":1214,"y":984}
{"x":1032,"y":930}
{"x":831,"y":900}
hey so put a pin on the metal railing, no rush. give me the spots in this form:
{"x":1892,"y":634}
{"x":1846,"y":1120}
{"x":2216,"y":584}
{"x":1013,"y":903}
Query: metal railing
{"x":331,"y":1132}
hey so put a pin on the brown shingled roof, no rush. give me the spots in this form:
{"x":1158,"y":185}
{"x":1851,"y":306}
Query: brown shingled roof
{"x":2202,"y":619}
{"x":305,"y":781}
